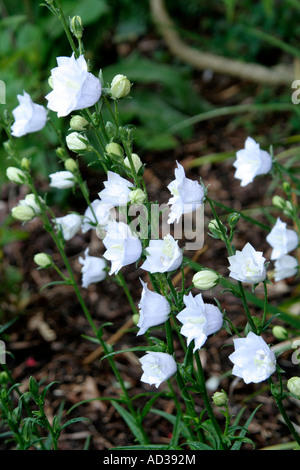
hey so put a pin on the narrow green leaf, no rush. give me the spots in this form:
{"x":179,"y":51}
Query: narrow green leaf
{"x":129,"y":420}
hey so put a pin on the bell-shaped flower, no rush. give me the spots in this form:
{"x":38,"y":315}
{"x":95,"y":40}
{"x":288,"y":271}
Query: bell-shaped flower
{"x":187,"y":195}
{"x":253,"y":360}
{"x":251,"y":161}
{"x":282,"y":239}
{"x":199,"y":320}
{"x":153,"y":309}
{"x":73,"y":86}
{"x":116,"y":190}
{"x":247,"y":265}
{"x":61,"y":179}
{"x":157,"y":368}
{"x":286,"y":266}
{"x":122,"y":246}
{"x":93,"y":269}
{"x":69,"y":225}
{"x":29,"y":116}
{"x":163,"y":255}
{"x":98,"y":214}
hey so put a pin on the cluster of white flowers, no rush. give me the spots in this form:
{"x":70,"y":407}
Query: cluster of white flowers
{"x":75,"y":88}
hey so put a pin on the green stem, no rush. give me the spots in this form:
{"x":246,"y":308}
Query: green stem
{"x":62,"y":18}
{"x":208,"y":407}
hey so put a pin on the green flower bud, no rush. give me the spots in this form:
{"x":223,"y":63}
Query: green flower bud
{"x":114,"y":150}
{"x":4,"y":378}
{"x":78,"y":123}
{"x":288,"y":210}
{"x":71,"y":165}
{"x":286,"y":187}
{"x":137,"y":163}
{"x":137,"y":196}
{"x":215,"y":231}
{"x":279,"y":202}
{"x":206,"y":279}
{"x":77,"y":142}
{"x":280,"y":333}
{"x":23,"y":213}
{"x":135,"y":318}
{"x":120,"y":87}
{"x":220,"y":398}
{"x":233,"y":219}
{"x":61,"y":153}
{"x":293,"y":386}
{"x":43,"y":260}
{"x":25,"y":163}
{"x":16,"y":175}
{"x":76,"y":26}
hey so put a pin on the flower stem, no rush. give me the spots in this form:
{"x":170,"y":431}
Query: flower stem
{"x":208,"y":407}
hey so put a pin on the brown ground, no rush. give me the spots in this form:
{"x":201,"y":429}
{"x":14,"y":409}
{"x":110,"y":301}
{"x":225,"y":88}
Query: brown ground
{"x":47,"y":339}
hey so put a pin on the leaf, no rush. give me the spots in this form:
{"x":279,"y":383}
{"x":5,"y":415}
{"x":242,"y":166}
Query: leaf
{"x":198,"y":446}
{"x":128,"y":418}
{"x":237,"y":444}
{"x":72,"y":421}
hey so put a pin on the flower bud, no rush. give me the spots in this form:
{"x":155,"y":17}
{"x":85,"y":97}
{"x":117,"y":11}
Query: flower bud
{"x":23,"y":213}
{"x":286,"y":187}
{"x":278,"y":202}
{"x":293,"y":385}
{"x":110,"y":130}
{"x":25,"y":163}
{"x":233,"y":219}
{"x":220,"y":398}
{"x":288,"y":210}
{"x":120,"y":87}
{"x":4,"y":378}
{"x":78,"y":123}
{"x":215,"y":230}
{"x":61,"y":153}
{"x":71,"y":165}
{"x":42,"y":260}
{"x":137,"y":196}
{"x":15,"y":174}
{"x":280,"y":333}
{"x":114,"y":150}
{"x":206,"y":279}
{"x":77,"y":142}
{"x":137,"y":163}
{"x":76,"y":26}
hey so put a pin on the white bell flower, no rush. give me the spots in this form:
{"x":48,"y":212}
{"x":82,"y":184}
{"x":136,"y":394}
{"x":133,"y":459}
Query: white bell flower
{"x":116,"y":190}
{"x":157,"y":368}
{"x":286,"y":266}
{"x":199,"y":320}
{"x":253,"y":360}
{"x":187,"y":195}
{"x":163,"y":255}
{"x":251,"y":161}
{"x":61,"y":179}
{"x":70,"y":224}
{"x":153,"y":309}
{"x":247,"y":265}
{"x":122,"y":246}
{"x":102,"y":213}
{"x":282,"y":239}
{"x":93,"y":269}
{"x":29,"y":116}
{"x":73,"y":86}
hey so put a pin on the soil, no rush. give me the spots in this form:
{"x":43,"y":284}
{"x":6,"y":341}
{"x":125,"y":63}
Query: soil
{"x":48,"y":341}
